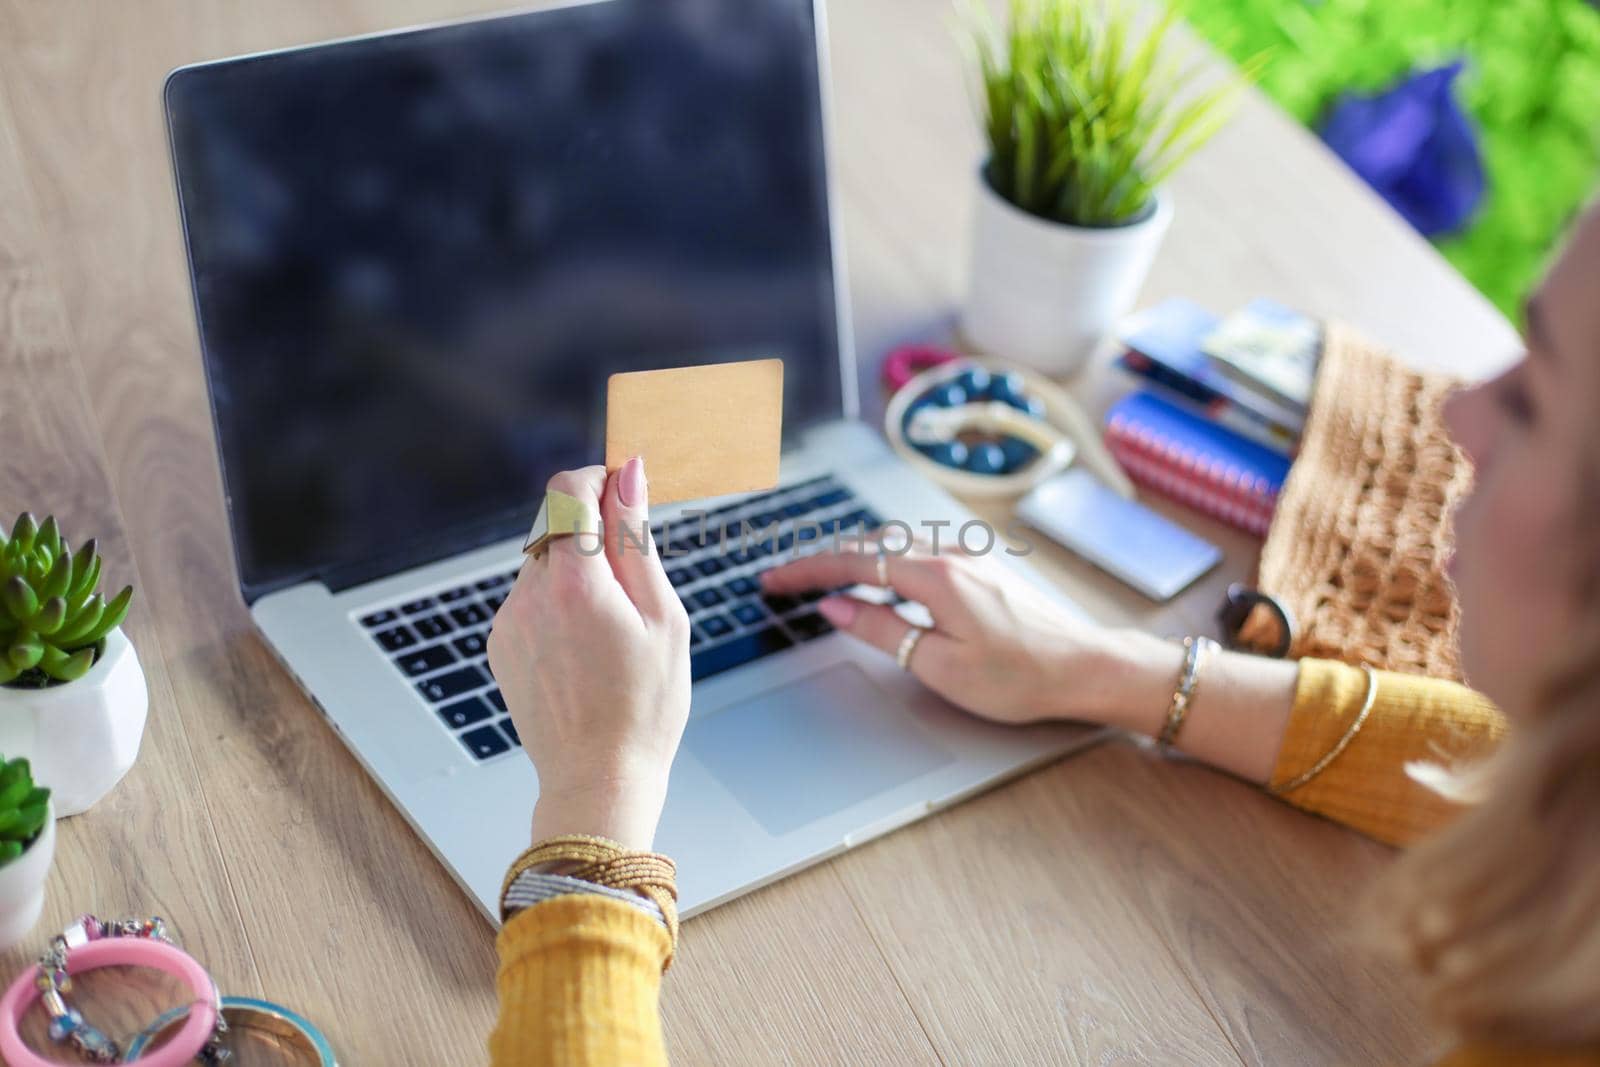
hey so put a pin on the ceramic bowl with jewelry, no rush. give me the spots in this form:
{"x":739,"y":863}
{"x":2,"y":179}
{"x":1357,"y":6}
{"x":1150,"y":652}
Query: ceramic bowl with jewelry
{"x":979,"y":428}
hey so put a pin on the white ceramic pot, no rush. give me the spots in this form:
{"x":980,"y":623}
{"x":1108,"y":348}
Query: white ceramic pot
{"x":1044,"y":293}
{"x":22,"y":884}
{"x":82,"y":736}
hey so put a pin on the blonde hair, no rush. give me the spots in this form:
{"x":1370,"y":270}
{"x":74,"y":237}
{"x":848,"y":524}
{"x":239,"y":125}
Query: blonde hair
{"x":1498,"y":917}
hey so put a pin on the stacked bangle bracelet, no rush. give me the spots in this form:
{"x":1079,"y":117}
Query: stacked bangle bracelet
{"x":1195,"y":650}
{"x":534,"y":887}
{"x":602,"y":863}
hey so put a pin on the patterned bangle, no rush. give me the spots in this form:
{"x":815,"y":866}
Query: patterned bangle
{"x":1195,"y":649}
{"x":276,"y":1022}
{"x":1340,"y":745}
{"x":533,"y":887}
{"x":606,"y":863}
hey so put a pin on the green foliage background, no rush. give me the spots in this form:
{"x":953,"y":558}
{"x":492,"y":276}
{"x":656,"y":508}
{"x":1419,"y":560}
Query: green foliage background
{"x":1531,"y":85}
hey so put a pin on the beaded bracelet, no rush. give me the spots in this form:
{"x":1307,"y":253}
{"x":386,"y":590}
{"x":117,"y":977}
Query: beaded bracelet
{"x":67,"y":1025}
{"x":607,"y":863}
{"x":535,"y":887}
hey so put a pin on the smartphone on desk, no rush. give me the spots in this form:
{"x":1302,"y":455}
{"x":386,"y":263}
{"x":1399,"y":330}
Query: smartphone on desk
{"x":1122,"y":537}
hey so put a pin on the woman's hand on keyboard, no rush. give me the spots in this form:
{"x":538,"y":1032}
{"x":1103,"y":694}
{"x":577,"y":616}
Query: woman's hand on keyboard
{"x":999,"y":647}
{"x":591,"y":651}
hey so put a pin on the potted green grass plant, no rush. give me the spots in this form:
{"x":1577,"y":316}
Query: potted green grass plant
{"x":72,"y":694}
{"x":27,"y":844}
{"x":1085,"y":116}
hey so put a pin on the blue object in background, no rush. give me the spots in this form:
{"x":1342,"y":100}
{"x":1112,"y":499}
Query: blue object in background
{"x":1416,"y":147}
{"x":986,"y":458}
{"x":1204,"y":445}
{"x":948,"y":395}
{"x":1019,"y":454}
{"x":975,"y":381}
{"x":951,"y":454}
{"x":1007,"y":388}
{"x":1030,"y":405}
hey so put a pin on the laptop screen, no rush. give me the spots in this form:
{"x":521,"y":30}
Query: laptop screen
{"x":417,"y":257}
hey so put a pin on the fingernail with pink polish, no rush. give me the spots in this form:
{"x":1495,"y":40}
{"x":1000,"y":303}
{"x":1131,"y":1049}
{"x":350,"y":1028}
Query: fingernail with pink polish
{"x":630,"y":482}
{"x":839,"y":610}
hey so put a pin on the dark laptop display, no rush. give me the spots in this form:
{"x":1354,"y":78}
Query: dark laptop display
{"x":417,"y":257}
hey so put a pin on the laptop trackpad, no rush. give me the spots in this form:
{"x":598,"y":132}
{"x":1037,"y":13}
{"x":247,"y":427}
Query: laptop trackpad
{"x":805,"y":750}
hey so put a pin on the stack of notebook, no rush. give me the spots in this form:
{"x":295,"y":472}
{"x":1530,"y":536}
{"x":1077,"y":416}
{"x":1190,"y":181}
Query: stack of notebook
{"x":1222,"y":407}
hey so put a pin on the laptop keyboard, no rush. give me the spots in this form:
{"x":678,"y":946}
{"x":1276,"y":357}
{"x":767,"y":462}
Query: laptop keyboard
{"x":440,"y":642}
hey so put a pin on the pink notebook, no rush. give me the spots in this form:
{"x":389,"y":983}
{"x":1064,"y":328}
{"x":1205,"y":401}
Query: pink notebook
{"x":1205,"y":466}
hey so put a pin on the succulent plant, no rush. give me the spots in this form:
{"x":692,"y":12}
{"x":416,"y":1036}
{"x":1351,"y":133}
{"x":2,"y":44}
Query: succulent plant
{"x":52,"y":616}
{"x":22,"y":808}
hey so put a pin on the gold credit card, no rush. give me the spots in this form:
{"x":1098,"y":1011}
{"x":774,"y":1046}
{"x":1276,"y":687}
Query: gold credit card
{"x":703,"y":431}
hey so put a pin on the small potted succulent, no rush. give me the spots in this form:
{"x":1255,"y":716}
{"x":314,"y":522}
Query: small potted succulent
{"x":72,"y":694}
{"x":1084,"y":119}
{"x":27,"y":844}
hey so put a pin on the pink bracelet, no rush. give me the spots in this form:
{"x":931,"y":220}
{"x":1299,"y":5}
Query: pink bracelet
{"x":116,"y":952}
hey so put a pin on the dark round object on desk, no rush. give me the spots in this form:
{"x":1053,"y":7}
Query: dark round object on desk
{"x":986,"y":458}
{"x":1030,"y":405}
{"x":949,"y":454}
{"x":947,"y":395}
{"x":975,"y":381}
{"x":1008,"y":388}
{"x":1019,"y":454}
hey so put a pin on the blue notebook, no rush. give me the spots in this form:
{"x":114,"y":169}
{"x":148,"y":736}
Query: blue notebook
{"x":1164,"y":345}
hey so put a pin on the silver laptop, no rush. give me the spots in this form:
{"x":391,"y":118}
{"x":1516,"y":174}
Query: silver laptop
{"x":416,"y":258}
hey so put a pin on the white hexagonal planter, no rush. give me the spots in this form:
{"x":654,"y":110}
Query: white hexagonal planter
{"x":82,"y":736}
{"x":22,"y":885}
{"x":1045,"y":293}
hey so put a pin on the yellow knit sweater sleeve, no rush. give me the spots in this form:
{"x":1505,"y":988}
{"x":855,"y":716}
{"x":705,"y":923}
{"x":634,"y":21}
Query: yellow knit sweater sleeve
{"x":1412,"y":720}
{"x":580,"y":984}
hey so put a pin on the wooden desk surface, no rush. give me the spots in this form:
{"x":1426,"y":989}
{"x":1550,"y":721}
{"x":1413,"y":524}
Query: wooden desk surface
{"x":1109,"y":909}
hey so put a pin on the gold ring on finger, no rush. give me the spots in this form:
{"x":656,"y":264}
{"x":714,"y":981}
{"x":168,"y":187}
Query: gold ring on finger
{"x":908,"y":645}
{"x":560,"y":515}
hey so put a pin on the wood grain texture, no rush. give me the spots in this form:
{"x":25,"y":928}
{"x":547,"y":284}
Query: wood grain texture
{"x":790,"y":974}
{"x":150,"y":847}
{"x":1065,"y":969}
{"x":1109,"y":909}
